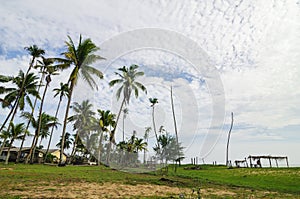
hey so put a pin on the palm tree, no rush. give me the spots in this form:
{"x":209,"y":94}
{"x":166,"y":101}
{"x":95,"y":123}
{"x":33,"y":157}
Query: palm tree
{"x":81,"y":58}
{"x":125,"y":112}
{"x":15,"y":133}
{"x":68,"y":141}
{"x":26,"y":86}
{"x":63,"y":91}
{"x":47,"y":121}
{"x":128,"y":83}
{"x":106,"y":121}
{"x":4,"y":136}
{"x":154,"y":101}
{"x":35,"y":52}
{"x":146,"y":137}
{"x":83,"y":120}
{"x":49,"y":70}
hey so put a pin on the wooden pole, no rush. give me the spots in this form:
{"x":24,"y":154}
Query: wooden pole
{"x":270,"y":162}
{"x":287,"y":163}
{"x":276,"y":162}
{"x":229,"y":138}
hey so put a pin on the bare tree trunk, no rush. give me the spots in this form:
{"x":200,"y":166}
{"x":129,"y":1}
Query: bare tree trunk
{"x":2,"y":146}
{"x":8,"y":151}
{"x":229,"y":139}
{"x":175,"y":127}
{"x":154,"y":127}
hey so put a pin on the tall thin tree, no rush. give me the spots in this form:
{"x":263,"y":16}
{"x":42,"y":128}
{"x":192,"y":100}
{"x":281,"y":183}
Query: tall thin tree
{"x":229,"y":133}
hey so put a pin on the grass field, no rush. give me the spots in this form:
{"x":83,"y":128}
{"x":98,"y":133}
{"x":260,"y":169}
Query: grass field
{"x":42,"y":181}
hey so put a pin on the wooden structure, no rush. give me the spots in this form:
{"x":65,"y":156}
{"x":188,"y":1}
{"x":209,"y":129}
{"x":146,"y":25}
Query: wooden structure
{"x":241,"y":163}
{"x":268,"y":157}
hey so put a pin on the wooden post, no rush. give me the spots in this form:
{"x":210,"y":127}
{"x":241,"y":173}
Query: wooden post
{"x":276,"y":162}
{"x":287,"y":163}
{"x":270,"y":162}
{"x":192,"y":160}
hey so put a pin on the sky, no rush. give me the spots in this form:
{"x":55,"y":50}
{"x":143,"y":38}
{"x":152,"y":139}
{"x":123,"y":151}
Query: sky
{"x":219,"y":57}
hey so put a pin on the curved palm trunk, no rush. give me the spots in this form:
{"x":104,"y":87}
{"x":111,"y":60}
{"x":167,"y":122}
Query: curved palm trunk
{"x":29,"y":121}
{"x":51,"y":134}
{"x":112,"y":137}
{"x":175,"y":127}
{"x":154,"y":127}
{"x":36,"y":137}
{"x":123,"y":126}
{"x":65,"y":124}
{"x":227,"y":163}
{"x":8,"y":151}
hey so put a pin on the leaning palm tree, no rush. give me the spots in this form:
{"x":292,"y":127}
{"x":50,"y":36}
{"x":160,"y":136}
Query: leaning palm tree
{"x":26,"y":86}
{"x":4,"y":135}
{"x":35,"y":52}
{"x":15,"y":133}
{"x":80,"y":57}
{"x":63,"y":91}
{"x":128,"y":83}
{"x":154,"y":101}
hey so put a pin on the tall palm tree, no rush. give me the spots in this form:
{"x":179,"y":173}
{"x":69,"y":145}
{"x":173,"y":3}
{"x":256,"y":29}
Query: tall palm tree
{"x":26,"y":86}
{"x":80,"y":58}
{"x":83,"y":120}
{"x":15,"y":132}
{"x":63,"y":91}
{"x":128,"y":83}
{"x":106,"y":121}
{"x":49,"y":71}
{"x":125,"y":113}
{"x":35,"y":52}
{"x":154,"y":101}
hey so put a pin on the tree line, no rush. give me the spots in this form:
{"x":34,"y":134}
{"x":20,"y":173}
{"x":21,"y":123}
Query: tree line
{"x":94,"y":132}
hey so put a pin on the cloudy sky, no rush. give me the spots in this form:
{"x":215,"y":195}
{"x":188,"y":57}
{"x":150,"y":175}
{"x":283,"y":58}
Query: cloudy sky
{"x":220,"y":56}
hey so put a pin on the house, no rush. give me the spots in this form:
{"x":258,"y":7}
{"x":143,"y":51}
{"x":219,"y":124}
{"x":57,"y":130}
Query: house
{"x":38,"y":156}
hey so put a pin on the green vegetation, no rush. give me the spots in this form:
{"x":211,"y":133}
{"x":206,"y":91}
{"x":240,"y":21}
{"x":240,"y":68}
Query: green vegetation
{"x":212,"y":181}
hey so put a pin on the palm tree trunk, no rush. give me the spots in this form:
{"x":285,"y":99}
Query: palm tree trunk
{"x":113,"y":133}
{"x":10,"y":112}
{"x":154,"y":127}
{"x":2,"y":146}
{"x":74,"y":148}
{"x":123,"y":126}
{"x":51,"y":134}
{"x":8,"y":151}
{"x":227,"y":163}
{"x":65,"y":124}
{"x":29,"y":121}
{"x":40,"y":120}
{"x":99,"y":150}
{"x":175,"y":125}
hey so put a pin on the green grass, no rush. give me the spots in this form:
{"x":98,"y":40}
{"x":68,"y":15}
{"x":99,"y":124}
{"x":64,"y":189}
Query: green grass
{"x":244,"y":182}
{"x":285,"y":180}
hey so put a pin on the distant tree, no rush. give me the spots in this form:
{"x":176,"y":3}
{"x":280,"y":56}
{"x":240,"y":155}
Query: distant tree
{"x":154,"y":101}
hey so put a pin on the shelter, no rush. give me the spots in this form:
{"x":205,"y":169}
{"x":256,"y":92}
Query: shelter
{"x":268,"y":157}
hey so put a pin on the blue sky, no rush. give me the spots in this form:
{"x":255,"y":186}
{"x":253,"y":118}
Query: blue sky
{"x":253,"y":45}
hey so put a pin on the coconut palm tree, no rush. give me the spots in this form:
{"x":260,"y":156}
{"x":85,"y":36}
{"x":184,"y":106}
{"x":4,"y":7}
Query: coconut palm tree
{"x":4,"y":136}
{"x":67,"y":143}
{"x":63,"y":91}
{"x":80,"y":57}
{"x":154,"y":101}
{"x":83,"y":120}
{"x":47,"y":122}
{"x":128,"y":84}
{"x":15,"y":133}
{"x":35,"y":52}
{"x":125,"y":113}
{"x":106,"y":122}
